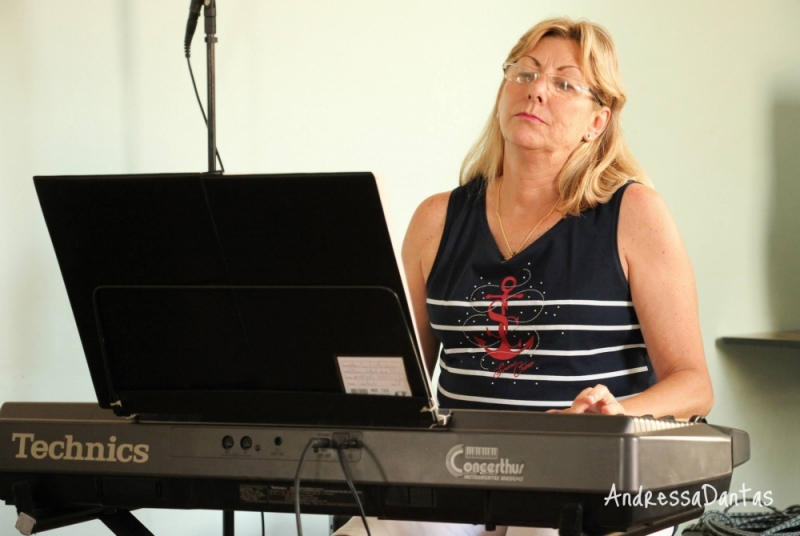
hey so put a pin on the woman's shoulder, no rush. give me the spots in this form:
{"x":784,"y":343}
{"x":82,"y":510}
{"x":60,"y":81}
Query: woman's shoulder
{"x":430,"y":215}
{"x":646,"y":227}
{"x":642,"y":205}
{"x":425,"y":233}
{"x":435,"y":203}
{"x":429,"y":220}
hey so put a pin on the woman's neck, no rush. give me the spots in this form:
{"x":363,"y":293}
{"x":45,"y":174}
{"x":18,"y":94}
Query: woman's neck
{"x":530,"y":178}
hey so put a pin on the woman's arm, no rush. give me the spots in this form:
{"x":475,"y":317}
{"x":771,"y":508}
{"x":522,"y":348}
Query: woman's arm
{"x":419,"y":251}
{"x":662,"y":284}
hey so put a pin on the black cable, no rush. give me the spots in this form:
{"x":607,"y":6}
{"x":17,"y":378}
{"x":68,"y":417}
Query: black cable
{"x":202,"y":110}
{"x":263,"y":529}
{"x":718,"y":523}
{"x":317,"y":442}
{"x":191,"y":25}
{"x":353,"y":443}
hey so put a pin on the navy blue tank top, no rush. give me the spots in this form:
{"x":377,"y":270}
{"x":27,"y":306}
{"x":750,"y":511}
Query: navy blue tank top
{"x":532,"y":332}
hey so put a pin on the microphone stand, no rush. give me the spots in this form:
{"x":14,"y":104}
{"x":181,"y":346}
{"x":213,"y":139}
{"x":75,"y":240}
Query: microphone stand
{"x":210,"y":12}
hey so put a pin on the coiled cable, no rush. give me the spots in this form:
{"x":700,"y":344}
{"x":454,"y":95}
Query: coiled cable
{"x":716,"y":523}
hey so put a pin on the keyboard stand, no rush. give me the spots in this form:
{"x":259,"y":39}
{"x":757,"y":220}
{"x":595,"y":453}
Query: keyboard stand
{"x":32,"y":520}
{"x":227,"y":523}
{"x":119,"y":522}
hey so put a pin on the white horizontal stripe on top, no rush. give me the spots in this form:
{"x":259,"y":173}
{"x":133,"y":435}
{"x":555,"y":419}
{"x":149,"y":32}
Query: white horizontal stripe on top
{"x":593,"y":351}
{"x":487,"y":303}
{"x":512,"y":402}
{"x":538,"y":327}
{"x":546,"y":377}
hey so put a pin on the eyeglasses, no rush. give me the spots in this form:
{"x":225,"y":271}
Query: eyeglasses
{"x":560,"y":85}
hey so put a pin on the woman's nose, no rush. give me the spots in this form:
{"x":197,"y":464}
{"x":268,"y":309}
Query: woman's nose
{"x":537,"y":89}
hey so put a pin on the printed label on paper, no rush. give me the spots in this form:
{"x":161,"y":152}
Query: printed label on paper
{"x":384,"y":376}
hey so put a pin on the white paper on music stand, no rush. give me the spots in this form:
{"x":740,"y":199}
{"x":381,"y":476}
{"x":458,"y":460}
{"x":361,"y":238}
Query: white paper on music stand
{"x":384,"y":376}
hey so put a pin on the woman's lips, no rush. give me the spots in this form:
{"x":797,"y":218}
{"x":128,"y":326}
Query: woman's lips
{"x":530,"y":117}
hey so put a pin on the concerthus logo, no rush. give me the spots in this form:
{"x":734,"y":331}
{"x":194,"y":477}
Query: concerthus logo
{"x":69,"y":449}
{"x":487,"y":464}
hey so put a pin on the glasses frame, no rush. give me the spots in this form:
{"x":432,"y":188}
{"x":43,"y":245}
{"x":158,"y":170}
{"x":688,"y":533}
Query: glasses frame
{"x":580,"y":86}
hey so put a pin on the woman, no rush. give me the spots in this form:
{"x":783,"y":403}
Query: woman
{"x":550,"y":277}
{"x":554,"y":277}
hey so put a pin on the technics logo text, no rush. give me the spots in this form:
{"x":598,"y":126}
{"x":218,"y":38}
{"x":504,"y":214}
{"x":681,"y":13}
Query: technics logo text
{"x":69,"y":449}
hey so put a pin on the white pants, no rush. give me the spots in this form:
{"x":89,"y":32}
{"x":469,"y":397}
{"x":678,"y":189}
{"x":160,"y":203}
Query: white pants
{"x":383,"y":527}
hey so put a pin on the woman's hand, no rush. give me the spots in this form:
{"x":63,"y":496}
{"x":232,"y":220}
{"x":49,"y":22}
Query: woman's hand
{"x":597,"y":399}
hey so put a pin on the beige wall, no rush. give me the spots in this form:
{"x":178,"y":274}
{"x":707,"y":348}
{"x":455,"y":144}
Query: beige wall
{"x":402,"y":88}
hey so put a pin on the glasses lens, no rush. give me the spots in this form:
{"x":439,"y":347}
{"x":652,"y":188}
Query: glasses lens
{"x":565,"y":86}
{"x":520,"y":73}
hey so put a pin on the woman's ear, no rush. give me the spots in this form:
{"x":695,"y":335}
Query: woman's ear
{"x":600,"y":119}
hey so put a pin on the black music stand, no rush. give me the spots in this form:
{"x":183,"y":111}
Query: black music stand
{"x":204,"y":298}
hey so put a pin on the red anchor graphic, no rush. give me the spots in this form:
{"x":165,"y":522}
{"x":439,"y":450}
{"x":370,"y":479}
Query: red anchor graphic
{"x":506,"y":350}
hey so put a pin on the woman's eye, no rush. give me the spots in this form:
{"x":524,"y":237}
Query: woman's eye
{"x":565,"y":86}
{"x":526,"y":78}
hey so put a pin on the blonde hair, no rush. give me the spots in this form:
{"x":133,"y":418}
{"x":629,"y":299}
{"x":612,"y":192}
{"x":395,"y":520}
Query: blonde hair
{"x":595,"y":170}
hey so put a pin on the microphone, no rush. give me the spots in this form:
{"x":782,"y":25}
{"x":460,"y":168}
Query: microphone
{"x":191,"y":25}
